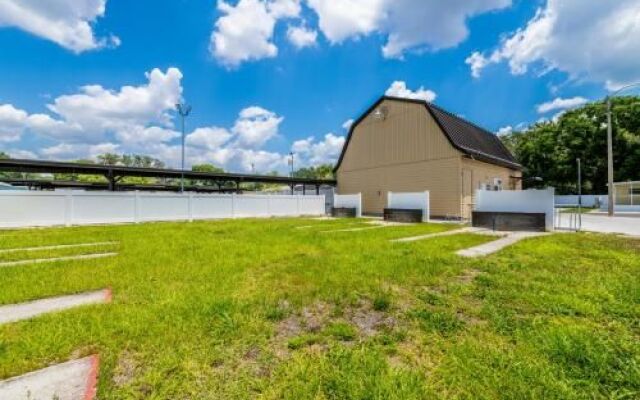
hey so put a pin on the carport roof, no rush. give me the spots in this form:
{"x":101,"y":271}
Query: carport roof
{"x":467,"y":137}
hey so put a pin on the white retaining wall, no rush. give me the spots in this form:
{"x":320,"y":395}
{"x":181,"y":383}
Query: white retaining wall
{"x":349,"y":201}
{"x":29,"y":208}
{"x":529,"y":201}
{"x":411,"y":201}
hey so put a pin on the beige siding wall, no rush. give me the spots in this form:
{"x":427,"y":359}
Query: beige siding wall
{"x":408,"y":134}
{"x":439,"y":177}
{"x":404,"y":152}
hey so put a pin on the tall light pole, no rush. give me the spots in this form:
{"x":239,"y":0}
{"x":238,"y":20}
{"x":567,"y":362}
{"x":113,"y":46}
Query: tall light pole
{"x":610,"y":206}
{"x":291,"y":163}
{"x":291,"y":173}
{"x":184,"y":110}
{"x":253,"y":172}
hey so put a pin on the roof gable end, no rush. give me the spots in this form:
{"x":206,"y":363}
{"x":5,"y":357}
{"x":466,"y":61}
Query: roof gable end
{"x":465,"y":136}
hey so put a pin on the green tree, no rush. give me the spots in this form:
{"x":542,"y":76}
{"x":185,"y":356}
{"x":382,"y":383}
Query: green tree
{"x":206,"y":168}
{"x":550,"y":149}
{"x":322,"y":171}
{"x":210,"y":168}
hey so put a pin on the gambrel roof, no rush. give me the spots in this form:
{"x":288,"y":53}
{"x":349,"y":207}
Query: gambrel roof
{"x":465,"y":136}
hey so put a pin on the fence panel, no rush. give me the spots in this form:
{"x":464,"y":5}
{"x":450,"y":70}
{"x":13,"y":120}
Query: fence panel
{"x":39,"y":209}
{"x":212,"y":206}
{"x":165,"y":207}
{"x":27,"y":208}
{"x":92,"y":208}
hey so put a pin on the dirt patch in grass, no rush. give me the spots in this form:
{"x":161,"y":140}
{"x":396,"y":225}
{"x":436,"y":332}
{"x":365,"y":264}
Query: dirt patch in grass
{"x":311,"y":319}
{"x":126,"y":368}
{"x":368,"y":320}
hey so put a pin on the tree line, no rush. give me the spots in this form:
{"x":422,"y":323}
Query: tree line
{"x":549,"y":149}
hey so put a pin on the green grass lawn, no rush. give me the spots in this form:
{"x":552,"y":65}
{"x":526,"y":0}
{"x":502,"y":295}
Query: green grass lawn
{"x":243,"y":309}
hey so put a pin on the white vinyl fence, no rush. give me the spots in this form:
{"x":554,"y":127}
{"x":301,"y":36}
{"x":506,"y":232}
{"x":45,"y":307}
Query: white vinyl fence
{"x":29,"y":208}
{"x":588,"y":200}
{"x":349,"y":201}
{"x":525,"y":201}
{"x":411,"y":201}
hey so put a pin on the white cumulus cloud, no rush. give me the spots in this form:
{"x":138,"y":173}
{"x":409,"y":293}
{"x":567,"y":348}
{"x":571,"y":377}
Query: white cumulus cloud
{"x":399,"y":89}
{"x":301,"y":36}
{"x":409,"y":25}
{"x":505,"y":130}
{"x":140,"y":119}
{"x":65,"y":22}
{"x":347,"y":124}
{"x":312,"y":152}
{"x":596,"y":41}
{"x":244,"y":32}
{"x":560,"y":104}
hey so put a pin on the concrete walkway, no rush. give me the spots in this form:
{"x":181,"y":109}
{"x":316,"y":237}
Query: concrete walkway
{"x":497,"y":245}
{"x":17,"y":312}
{"x":439,"y":234}
{"x":56,"y":247}
{"x":72,"y":380}
{"x":355,"y":229}
{"x":65,"y":258}
{"x":602,"y":223}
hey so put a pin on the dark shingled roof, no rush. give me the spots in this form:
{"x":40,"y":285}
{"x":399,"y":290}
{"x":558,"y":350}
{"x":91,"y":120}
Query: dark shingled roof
{"x":467,"y":137}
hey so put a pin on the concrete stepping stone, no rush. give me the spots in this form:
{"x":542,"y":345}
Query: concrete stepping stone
{"x":65,"y":258}
{"x":72,"y":380}
{"x":497,"y":245}
{"x":57,"y":247}
{"x":17,"y":312}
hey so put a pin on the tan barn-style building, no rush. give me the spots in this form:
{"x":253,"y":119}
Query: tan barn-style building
{"x":406,"y":145}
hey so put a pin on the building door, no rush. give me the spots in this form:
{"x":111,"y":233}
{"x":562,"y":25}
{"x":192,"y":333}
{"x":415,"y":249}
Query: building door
{"x":467,"y":193}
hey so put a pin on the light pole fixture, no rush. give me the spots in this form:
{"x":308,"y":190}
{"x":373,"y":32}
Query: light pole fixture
{"x":610,"y":188}
{"x":253,"y":172}
{"x":291,"y":162}
{"x":291,"y":173}
{"x":184,"y":110}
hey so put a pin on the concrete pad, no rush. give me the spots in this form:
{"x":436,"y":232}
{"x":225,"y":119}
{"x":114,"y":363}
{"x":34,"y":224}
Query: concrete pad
{"x":355,"y":229}
{"x":497,"y":245}
{"x":625,"y":225}
{"x":72,"y":380}
{"x":65,"y":258}
{"x":438,"y":234}
{"x":18,"y":312}
{"x":56,"y":247}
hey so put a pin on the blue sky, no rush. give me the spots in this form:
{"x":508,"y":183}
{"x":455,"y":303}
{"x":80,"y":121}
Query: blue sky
{"x":268,"y":76}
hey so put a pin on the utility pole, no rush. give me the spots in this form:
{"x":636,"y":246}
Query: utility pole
{"x":184,"y":110}
{"x":610,"y":204}
{"x":579,"y":195}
